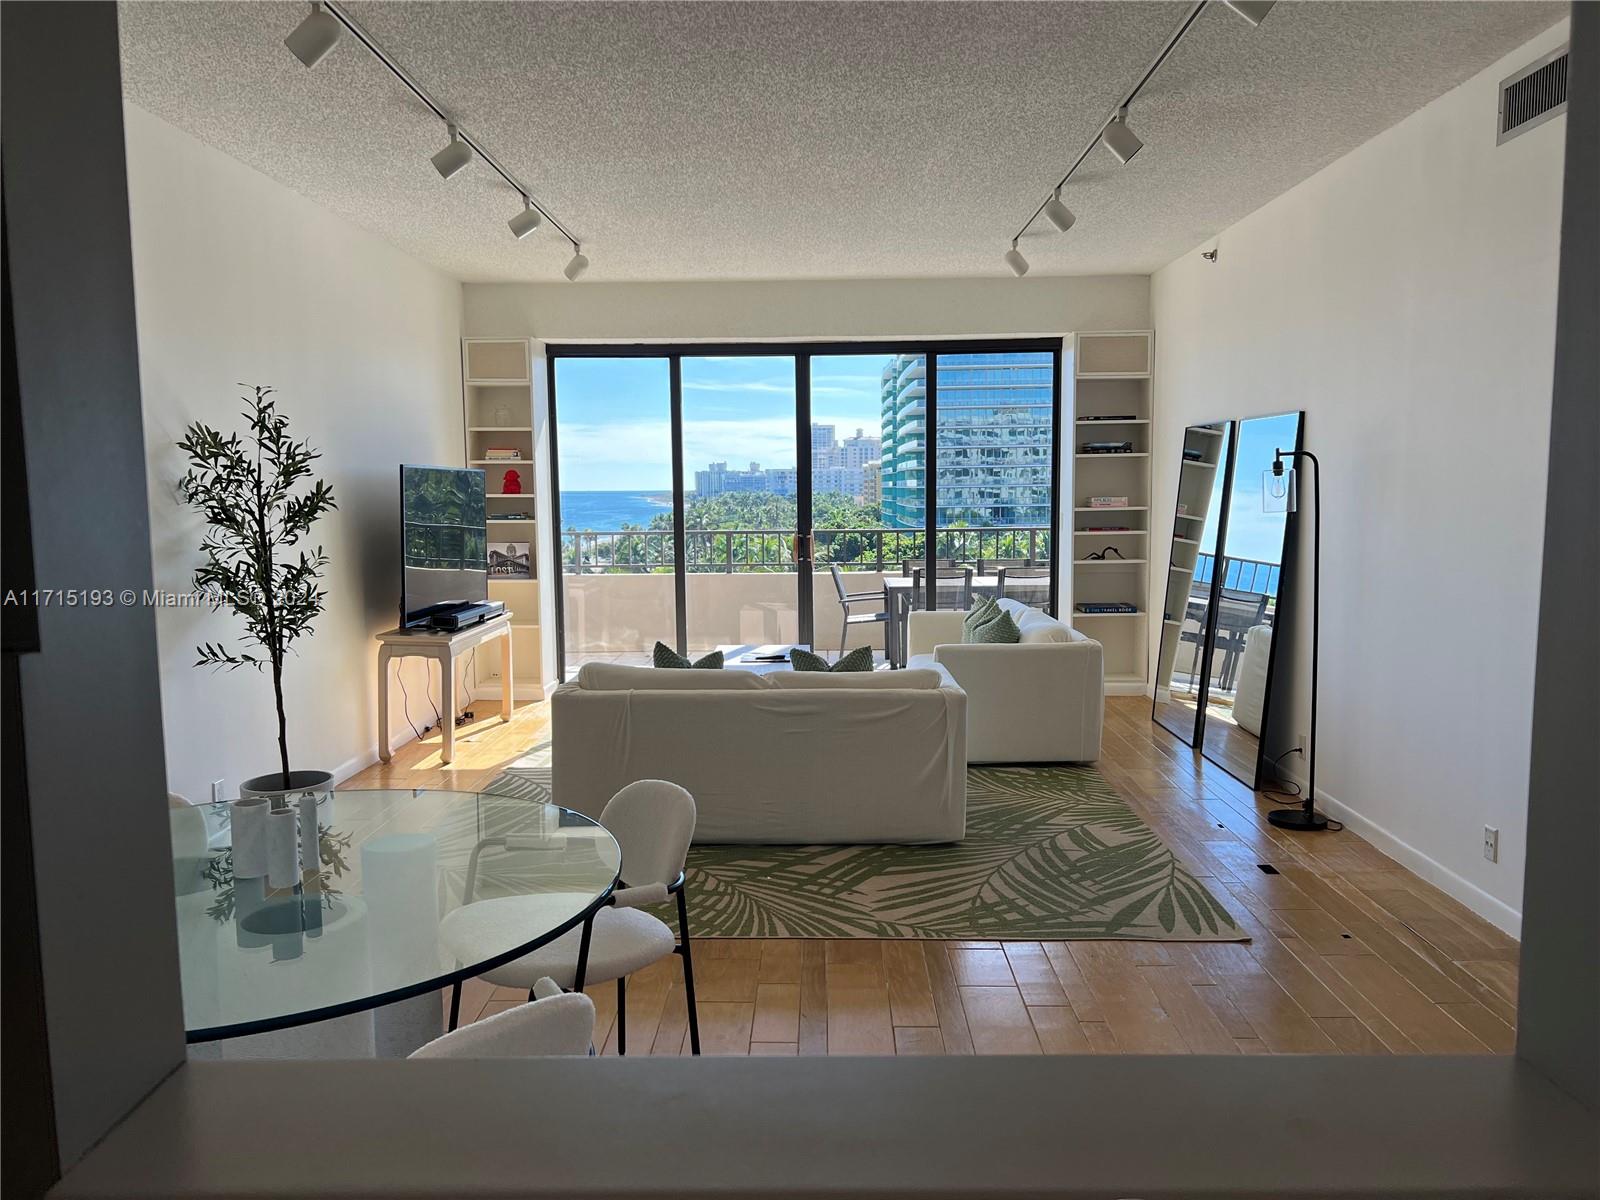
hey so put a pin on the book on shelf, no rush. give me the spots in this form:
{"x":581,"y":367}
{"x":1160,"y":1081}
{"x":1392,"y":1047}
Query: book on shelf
{"x":1107,"y":502}
{"x":1105,"y":529}
{"x":503,"y":454}
{"x":1097,"y":608}
{"x":1112,"y":417}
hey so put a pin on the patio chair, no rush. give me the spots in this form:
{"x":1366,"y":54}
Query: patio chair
{"x":916,"y":564}
{"x":952,"y":588}
{"x":993,"y":566}
{"x":1027,"y":585}
{"x":847,"y":598}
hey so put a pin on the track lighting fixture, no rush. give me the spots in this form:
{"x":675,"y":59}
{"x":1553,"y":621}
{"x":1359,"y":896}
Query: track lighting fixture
{"x":453,"y":157}
{"x":1254,"y":11}
{"x":1057,"y":213}
{"x":321,"y":31}
{"x":314,"y":37}
{"x":1115,"y":134}
{"x":1119,"y":139}
{"x":526,"y":221}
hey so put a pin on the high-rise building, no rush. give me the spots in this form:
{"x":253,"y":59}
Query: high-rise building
{"x":994,"y":447}
{"x":872,"y":484}
{"x":859,"y":450}
{"x":822,"y":441}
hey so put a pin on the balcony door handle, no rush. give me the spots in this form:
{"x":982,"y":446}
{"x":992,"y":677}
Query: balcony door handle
{"x":805,"y":548}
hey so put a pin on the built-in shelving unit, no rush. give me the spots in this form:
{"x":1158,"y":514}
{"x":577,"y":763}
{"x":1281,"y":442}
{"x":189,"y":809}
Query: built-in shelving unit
{"x":1204,"y":448}
{"x":497,"y":408}
{"x":1113,"y":403}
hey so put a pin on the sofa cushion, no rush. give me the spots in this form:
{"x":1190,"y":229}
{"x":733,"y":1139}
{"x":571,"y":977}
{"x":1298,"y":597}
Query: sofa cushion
{"x":1001,"y":628}
{"x":984,"y":610}
{"x":666,"y":657}
{"x":1036,"y":625}
{"x":919,"y":680}
{"x":610,"y":677}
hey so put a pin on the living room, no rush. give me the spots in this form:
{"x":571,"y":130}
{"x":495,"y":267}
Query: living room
{"x":937,"y":598}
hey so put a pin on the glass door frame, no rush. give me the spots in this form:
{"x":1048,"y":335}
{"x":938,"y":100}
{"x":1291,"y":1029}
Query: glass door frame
{"x":802,"y":352}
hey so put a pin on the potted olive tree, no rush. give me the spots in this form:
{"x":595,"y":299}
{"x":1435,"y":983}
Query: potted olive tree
{"x":257,"y":495}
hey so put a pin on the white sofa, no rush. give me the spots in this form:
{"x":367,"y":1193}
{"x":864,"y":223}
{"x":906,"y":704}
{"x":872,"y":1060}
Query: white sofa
{"x":1038,"y":700}
{"x":781,"y":757}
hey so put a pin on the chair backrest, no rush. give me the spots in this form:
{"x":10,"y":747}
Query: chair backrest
{"x":1241,"y":610}
{"x":989,"y":566}
{"x":653,"y":822}
{"x":911,"y":566}
{"x":1029,"y":585}
{"x":838,"y":580}
{"x":562,"y":1024}
{"x":953,"y":585}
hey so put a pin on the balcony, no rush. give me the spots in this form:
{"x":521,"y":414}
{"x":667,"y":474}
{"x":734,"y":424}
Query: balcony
{"x":620,"y":589}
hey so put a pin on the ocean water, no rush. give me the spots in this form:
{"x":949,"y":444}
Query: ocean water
{"x":611,"y":510}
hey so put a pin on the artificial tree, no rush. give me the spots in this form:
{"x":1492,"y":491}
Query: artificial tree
{"x":253,"y":493}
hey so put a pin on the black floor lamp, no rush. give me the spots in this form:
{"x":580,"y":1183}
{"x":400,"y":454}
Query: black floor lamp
{"x":1277,"y":487}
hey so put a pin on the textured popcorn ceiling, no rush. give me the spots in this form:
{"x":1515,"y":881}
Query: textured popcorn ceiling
{"x":777,"y":141}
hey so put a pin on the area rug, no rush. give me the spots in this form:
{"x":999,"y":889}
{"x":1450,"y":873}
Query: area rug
{"x":1051,"y":853}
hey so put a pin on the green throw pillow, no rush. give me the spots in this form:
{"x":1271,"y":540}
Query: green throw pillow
{"x":1002,"y":628}
{"x":981,"y":613}
{"x":859,"y":659}
{"x":665,"y":656}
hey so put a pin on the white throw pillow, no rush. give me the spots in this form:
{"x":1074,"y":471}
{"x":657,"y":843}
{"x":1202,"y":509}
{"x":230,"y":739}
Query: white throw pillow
{"x":610,"y":677}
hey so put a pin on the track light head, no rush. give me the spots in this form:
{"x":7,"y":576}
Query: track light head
{"x":1014,"y":260}
{"x":315,"y":36}
{"x":1119,"y":139}
{"x":1254,"y":11}
{"x":1058,"y":214}
{"x":579,"y":264}
{"x":453,"y":157}
{"x":526,"y":221}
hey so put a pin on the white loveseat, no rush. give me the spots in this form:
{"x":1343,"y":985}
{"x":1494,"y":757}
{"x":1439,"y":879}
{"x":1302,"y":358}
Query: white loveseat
{"x":782,"y":757}
{"x":1038,"y":700}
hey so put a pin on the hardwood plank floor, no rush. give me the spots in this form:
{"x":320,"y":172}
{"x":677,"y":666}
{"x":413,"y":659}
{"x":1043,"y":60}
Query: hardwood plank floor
{"x":1351,"y":954}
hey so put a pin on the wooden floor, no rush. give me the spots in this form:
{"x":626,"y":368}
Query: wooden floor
{"x":1350,"y":953}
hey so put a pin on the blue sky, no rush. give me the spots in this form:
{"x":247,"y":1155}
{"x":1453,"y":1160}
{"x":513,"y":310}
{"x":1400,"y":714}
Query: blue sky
{"x":1252,"y":533}
{"x":615,"y":433}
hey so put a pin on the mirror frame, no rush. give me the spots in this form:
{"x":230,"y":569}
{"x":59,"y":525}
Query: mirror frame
{"x":1283,"y":601}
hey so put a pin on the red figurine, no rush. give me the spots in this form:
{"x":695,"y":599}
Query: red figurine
{"x":511,"y":485}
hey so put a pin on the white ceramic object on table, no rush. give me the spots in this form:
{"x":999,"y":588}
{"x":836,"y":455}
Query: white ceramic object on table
{"x":249,"y":823}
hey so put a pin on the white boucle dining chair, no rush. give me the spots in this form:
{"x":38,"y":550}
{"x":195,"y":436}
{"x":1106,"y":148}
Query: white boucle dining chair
{"x":653,"y":822}
{"x":556,"y":1023}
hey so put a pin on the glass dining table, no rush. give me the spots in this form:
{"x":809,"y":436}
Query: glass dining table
{"x":361,"y":929}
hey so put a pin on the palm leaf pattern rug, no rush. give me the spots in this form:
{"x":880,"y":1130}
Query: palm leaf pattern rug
{"x":1051,"y":853}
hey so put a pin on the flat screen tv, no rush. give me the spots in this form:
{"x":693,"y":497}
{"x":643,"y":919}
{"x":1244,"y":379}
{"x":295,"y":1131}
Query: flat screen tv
{"x":444,"y":547}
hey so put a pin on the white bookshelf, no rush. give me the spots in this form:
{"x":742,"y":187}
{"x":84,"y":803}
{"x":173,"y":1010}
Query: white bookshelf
{"x":497,"y":414}
{"x":1113,"y":403}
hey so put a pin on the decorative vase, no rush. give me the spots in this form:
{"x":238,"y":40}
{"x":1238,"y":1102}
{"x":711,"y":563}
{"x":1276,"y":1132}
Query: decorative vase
{"x":511,"y":484}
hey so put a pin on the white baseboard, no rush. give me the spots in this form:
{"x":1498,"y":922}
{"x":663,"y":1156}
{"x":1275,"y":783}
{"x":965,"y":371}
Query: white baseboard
{"x":519,"y":691}
{"x":1132,"y":687}
{"x":1498,"y":913}
{"x":356,"y":764}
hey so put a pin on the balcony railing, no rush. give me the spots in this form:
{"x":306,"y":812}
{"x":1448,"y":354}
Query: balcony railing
{"x":1240,"y":574}
{"x":727,"y":551}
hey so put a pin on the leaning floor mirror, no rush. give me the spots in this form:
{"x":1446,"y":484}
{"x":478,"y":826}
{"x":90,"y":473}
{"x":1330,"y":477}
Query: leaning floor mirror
{"x":1226,"y":593}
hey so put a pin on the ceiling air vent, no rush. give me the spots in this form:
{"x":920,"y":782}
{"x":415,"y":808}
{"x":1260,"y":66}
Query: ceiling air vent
{"x":1533,"y":95}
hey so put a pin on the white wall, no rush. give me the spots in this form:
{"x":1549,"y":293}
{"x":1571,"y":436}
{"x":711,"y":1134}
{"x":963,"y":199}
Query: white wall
{"x":1404,"y":297}
{"x":236,"y":278}
{"x":816,"y":309}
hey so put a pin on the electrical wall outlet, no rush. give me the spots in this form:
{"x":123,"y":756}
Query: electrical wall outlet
{"x":219,"y":790}
{"x":1301,"y":741}
{"x":1491,"y":843}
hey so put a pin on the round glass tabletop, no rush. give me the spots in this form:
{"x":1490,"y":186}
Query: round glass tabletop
{"x":362,"y":928}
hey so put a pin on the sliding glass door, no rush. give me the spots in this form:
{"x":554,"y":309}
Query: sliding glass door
{"x":742,"y":500}
{"x":743,"y":496}
{"x":614,"y":483}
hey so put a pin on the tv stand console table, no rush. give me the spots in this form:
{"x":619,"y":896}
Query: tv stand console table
{"x":444,"y":648}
